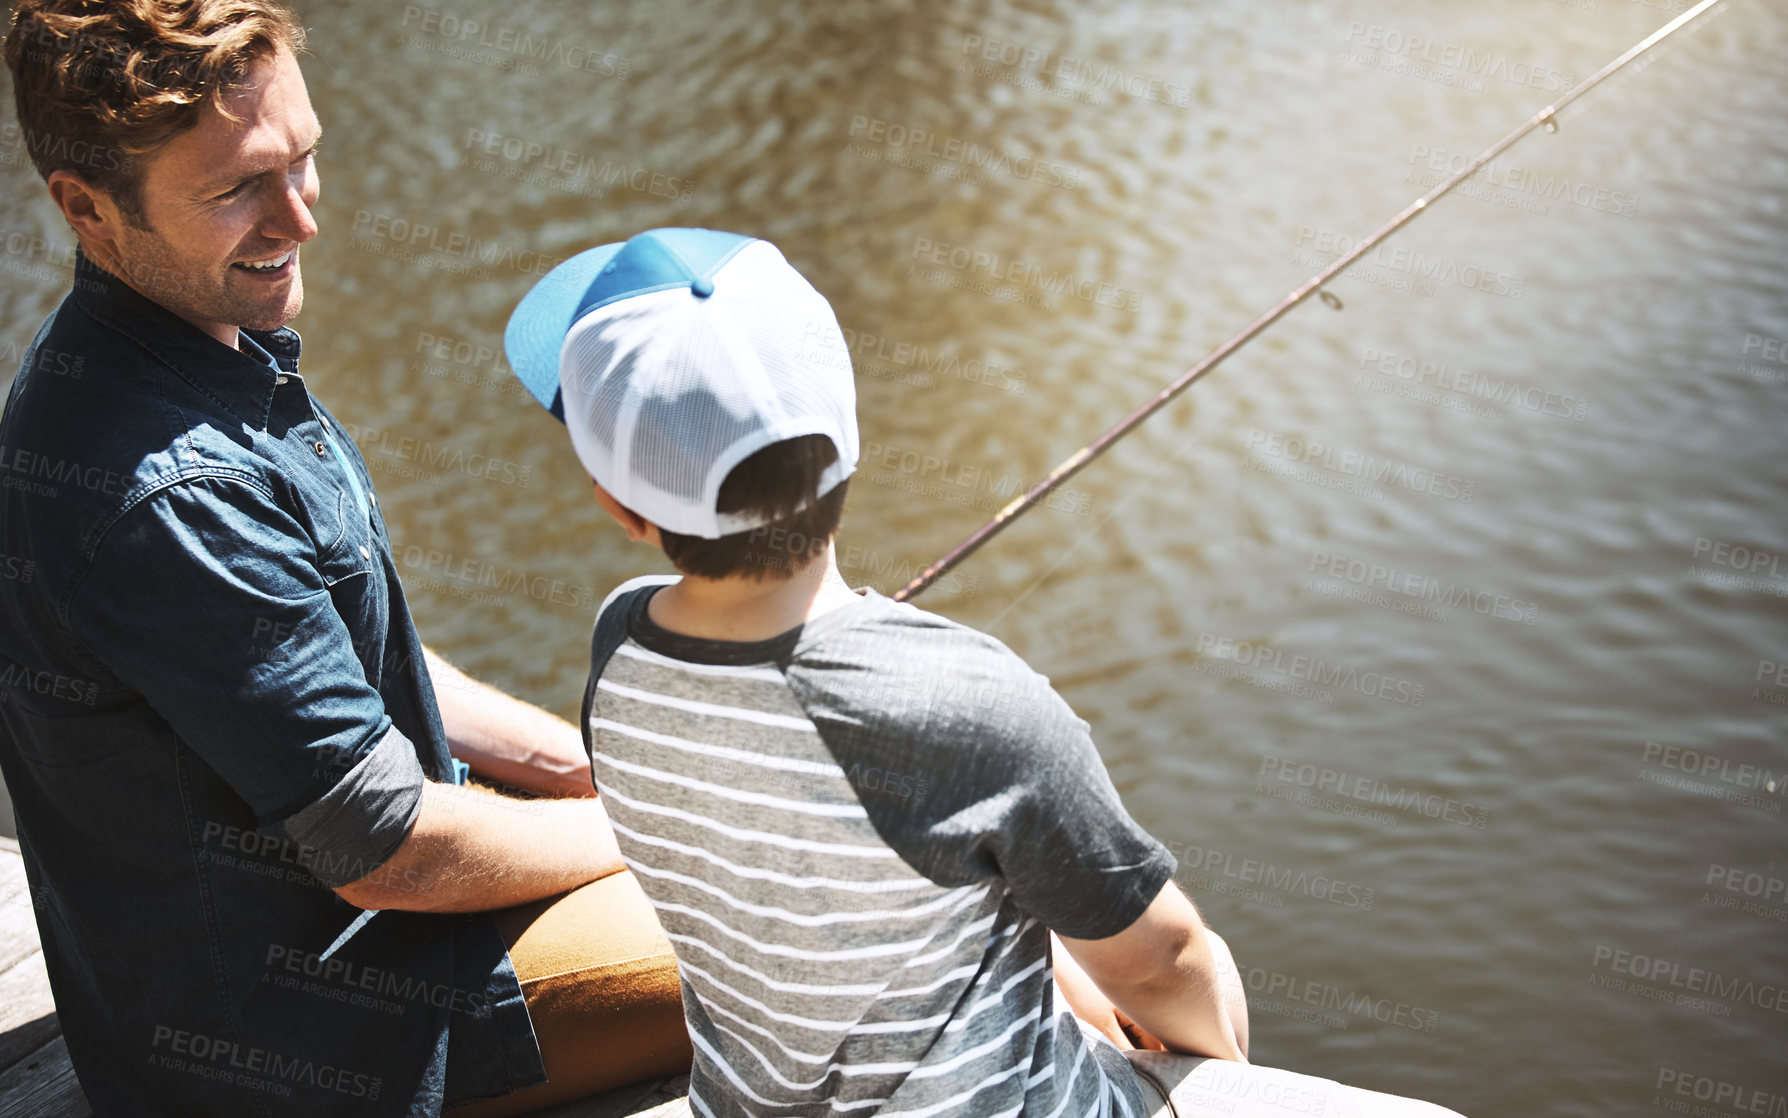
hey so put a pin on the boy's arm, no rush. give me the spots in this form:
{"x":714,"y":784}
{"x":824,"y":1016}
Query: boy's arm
{"x":471,"y":851}
{"x":507,"y":740}
{"x":1160,"y":971}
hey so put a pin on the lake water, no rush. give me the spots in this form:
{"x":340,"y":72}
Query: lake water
{"x":1437,"y":635}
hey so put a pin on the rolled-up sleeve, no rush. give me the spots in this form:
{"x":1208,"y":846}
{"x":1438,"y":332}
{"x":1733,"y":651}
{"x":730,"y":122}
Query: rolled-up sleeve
{"x":209,"y":600}
{"x":357,"y":824}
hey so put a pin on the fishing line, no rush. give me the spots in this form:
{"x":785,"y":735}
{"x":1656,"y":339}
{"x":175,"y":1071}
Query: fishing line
{"x":1546,"y":117}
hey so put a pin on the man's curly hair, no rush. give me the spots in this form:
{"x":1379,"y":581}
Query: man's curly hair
{"x":100,"y":83}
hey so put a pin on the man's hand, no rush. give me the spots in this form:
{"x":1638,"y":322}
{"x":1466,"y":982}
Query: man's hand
{"x":507,"y":740}
{"x":1163,"y":978}
{"x":473,"y":850}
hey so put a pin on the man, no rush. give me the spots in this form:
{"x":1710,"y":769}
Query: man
{"x":860,"y":822}
{"x":222,"y":734}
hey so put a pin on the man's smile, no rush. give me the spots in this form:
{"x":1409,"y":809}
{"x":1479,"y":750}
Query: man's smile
{"x":275,"y":267}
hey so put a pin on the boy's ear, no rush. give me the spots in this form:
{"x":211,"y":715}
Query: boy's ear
{"x":637,"y":527}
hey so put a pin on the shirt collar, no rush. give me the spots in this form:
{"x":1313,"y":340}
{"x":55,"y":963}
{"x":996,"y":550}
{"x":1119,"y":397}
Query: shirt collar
{"x":242,"y":383}
{"x":246,"y":343}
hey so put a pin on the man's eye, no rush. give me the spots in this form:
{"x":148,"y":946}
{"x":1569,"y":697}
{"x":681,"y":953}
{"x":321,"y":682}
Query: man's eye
{"x":231,"y":193}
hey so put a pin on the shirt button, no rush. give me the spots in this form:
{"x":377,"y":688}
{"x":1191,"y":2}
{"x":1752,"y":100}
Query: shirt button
{"x":281,"y":379}
{"x":322,"y":451}
{"x":365,"y":554}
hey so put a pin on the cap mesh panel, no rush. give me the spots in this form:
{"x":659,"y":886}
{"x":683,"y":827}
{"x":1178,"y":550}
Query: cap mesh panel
{"x":696,"y":384}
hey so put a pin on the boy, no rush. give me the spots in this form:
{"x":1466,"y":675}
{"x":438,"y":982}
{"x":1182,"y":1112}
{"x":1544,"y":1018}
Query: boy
{"x":859,"y":822}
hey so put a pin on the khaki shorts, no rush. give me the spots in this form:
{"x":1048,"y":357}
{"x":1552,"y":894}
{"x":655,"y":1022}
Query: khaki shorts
{"x":601,"y":986}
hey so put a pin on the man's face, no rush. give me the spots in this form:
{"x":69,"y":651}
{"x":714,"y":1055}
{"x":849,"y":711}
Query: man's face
{"x":223,"y":196}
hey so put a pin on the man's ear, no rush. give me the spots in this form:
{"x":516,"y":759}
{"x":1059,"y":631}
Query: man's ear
{"x":637,"y":527}
{"x":89,"y":211}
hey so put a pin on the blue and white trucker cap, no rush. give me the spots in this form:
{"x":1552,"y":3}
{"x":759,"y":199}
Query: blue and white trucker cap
{"x":673,"y":357}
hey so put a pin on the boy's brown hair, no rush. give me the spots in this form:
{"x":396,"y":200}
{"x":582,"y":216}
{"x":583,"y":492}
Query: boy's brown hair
{"x":100,"y":83}
{"x":778,"y":482}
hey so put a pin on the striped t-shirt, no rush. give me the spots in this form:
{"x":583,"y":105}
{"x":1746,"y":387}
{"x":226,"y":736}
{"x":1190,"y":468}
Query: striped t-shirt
{"x":857,"y":836}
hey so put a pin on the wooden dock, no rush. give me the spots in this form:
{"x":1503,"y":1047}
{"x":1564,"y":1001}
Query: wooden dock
{"x":37,"y":1081}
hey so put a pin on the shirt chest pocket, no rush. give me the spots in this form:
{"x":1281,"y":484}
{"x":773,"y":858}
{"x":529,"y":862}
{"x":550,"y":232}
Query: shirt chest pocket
{"x":354,"y":572}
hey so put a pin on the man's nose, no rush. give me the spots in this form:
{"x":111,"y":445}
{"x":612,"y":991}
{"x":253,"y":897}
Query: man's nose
{"x":291,"y":218}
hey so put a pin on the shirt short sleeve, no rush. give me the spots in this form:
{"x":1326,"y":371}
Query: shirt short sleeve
{"x":209,"y":601}
{"x":971,"y":767}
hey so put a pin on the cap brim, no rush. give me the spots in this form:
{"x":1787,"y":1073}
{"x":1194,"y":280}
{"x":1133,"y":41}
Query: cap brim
{"x":536,"y":331}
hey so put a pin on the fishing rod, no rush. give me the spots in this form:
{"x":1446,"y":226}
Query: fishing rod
{"x":1080,"y":458}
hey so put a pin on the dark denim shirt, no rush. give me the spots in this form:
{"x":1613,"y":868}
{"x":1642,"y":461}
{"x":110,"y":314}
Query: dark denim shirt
{"x":213,"y":709}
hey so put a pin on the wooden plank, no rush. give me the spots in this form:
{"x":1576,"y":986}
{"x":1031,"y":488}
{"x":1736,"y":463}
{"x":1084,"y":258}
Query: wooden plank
{"x":12,"y":872}
{"x":671,"y":1100}
{"x":43,"y":1085}
{"x":18,"y":1044}
{"x":617,"y":1103}
{"x":36,"y":1079}
{"x":27,"y":1012}
{"x":18,"y":925}
{"x":636,"y":1100}
{"x":24,"y":993}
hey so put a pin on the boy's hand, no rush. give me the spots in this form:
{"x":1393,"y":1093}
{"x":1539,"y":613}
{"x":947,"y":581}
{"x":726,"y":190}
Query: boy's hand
{"x":1090,"y":1004}
{"x":1138,"y":1036}
{"x":1169,"y":971}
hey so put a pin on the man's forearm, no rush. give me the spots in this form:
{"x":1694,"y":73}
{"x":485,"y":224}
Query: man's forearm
{"x":507,"y":740}
{"x":472,"y":850}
